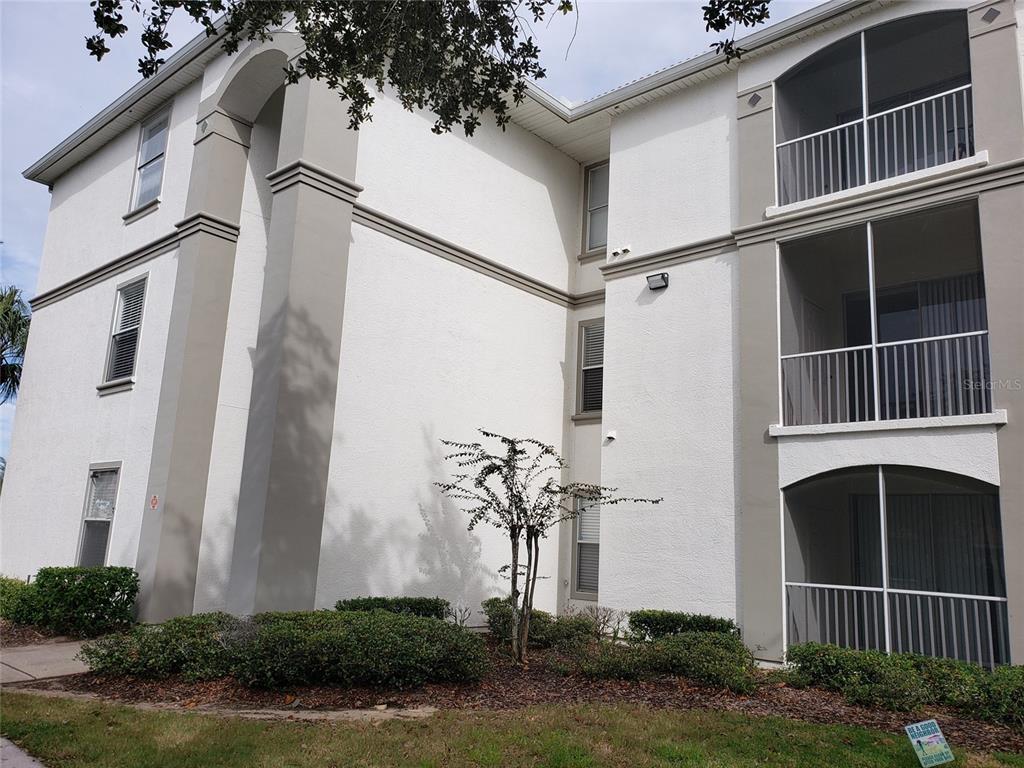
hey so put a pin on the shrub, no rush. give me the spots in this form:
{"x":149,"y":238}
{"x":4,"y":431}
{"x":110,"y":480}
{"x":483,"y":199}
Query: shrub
{"x":546,"y":630}
{"x":652,"y":625}
{"x":352,"y":648}
{"x":950,"y":682}
{"x":200,"y":647}
{"x":709,"y":658}
{"x":1002,"y":697}
{"x":86,"y":602}
{"x":18,"y":601}
{"x":431,"y":607}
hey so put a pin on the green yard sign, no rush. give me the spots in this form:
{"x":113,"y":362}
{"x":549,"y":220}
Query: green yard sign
{"x":929,"y":744}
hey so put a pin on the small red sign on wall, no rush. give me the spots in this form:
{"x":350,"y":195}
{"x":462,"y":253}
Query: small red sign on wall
{"x":154,"y":502}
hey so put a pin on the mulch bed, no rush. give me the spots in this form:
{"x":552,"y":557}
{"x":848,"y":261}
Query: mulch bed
{"x":507,"y":686}
{"x":12,"y":635}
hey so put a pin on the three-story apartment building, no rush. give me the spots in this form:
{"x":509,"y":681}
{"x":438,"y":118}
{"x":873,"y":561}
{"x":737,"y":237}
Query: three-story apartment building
{"x":783,"y":293}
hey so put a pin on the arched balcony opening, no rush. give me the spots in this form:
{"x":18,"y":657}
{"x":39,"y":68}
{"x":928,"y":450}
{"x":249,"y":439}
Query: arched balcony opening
{"x":897,"y":559}
{"x":891,"y":100}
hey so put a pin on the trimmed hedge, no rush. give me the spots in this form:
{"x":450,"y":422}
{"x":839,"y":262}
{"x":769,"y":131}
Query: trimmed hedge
{"x":18,"y":601}
{"x":653,"y":625}
{"x":200,"y":647}
{"x":86,"y":602}
{"x":714,"y":659}
{"x":430,"y":607}
{"x":282,"y":649}
{"x":904,"y":682}
{"x":546,"y":631}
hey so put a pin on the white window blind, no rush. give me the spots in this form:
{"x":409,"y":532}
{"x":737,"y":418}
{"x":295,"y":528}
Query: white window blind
{"x":99,"y":512}
{"x":592,"y":367}
{"x":124,"y":342}
{"x":588,"y":536}
{"x":597,"y":207}
{"x":152,"y":147}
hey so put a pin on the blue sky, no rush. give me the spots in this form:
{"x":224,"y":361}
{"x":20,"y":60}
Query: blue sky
{"x":49,"y":86}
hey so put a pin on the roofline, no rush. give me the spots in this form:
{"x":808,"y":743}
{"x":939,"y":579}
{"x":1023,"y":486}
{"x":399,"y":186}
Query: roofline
{"x":204,"y":45}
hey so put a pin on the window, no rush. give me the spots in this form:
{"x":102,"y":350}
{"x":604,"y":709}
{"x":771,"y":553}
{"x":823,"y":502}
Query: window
{"x":99,"y":512}
{"x":591,"y":365}
{"x":597,"y":207}
{"x":588,"y":535}
{"x":124,"y":341}
{"x":152,"y":146}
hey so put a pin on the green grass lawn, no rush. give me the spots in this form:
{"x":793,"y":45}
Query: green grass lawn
{"x":80,"y":734}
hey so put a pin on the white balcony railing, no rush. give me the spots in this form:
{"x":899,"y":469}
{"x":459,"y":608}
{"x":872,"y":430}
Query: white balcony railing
{"x":972,"y":628}
{"x":912,"y":137}
{"x":938,"y":376}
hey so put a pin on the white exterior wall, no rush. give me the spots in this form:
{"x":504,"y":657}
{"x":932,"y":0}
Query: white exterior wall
{"x":85,"y":228}
{"x":507,"y":195}
{"x":430,"y":350}
{"x":669,"y":395}
{"x":63,"y":425}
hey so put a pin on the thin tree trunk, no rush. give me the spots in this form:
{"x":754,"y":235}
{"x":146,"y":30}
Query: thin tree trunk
{"x":533,"y":544}
{"x":516,"y":651}
{"x":524,"y":627}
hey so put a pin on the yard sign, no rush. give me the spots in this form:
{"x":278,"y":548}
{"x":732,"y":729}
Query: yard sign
{"x":929,"y":744}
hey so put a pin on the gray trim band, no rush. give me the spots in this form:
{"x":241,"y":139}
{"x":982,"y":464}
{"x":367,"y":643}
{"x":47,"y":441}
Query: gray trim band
{"x":301,"y":172}
{"x":701,"y":249}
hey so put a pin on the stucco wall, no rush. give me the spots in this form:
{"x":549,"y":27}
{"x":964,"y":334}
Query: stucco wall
{"x":669,"y":395}
{"x":671,"y":170}
{"x":62,"y":425}
{"x":85,"y":227}
{"x":507,"y":195}
{"x":429,"y":350}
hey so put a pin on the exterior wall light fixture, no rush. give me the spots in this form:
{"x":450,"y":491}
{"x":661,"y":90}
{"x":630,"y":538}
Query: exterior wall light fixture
{"x":658,"y":282}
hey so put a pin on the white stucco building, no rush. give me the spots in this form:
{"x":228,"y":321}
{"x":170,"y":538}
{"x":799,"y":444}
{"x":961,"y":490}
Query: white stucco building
{"x":783,"y":293}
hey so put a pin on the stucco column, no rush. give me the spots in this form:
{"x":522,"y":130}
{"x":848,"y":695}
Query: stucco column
{"x":1002,"y":232}
{"x":172,"y":522}
{"x":291,"y":418}
{"x":995,"y":80}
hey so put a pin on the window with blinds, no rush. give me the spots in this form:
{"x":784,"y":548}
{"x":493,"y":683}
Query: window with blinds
{"x":150,"y":169}
{"x":588,"y":536}
{"x":591,"y":366}
{"x":124,"y":341}
{"x":597,"y":207}
{"x":99,"y":513}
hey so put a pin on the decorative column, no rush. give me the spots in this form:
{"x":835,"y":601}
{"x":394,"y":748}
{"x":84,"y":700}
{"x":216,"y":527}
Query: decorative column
{"x":291,"y":418}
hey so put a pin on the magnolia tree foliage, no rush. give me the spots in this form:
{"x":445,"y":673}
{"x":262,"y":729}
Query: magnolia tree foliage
{"x":514,"y":485}
{"x":456,"y":59}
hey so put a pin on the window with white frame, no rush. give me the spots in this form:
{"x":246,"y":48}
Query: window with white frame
{"x":591,"y":365}
{"x":100,"y":499}
{"x":597,"y":207}
{"x":587,"y":526}
{"x":124,"y":339}
{"x":150,"y":168}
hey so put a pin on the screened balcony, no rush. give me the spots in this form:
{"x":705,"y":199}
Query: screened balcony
{"x":897,"y":559}
{"x":885,"y":321}
{"x":892,"y":100}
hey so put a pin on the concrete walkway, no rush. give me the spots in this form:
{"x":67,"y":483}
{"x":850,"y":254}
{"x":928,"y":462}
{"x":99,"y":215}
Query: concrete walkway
{"x":12,"y":757}
{"x":35,"y":662}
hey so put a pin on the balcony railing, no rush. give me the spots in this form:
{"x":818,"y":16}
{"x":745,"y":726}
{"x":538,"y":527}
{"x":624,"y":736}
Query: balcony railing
{"x":938,"y":376}
{"x":912,"y":137}
{"x":972,"y":628}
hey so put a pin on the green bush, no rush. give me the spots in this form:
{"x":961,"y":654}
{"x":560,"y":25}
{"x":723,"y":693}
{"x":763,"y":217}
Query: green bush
{"x":709,"y":658}
{"x":652,"y":625}
{"x":85,"y":602}
{"x":902,"y":682}
{"x":200,"y":647}
{"x":18,"y":601}
{"x":350,"y":648}
{"x":546,"y":631}
{"x":431,"y":607}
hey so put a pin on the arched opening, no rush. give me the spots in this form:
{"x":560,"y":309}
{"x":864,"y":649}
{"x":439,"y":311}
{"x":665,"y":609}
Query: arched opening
{"x":894,"y":558}
{"x":891,"y":100}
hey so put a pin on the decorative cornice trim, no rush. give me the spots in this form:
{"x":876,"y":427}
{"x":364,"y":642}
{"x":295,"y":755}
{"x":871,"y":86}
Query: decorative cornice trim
{"x":105,"y":271}
{"x":588,"y":299}
{"x":668,"y":257}
{"x":207,"y":224}
{"x":301,"y":172}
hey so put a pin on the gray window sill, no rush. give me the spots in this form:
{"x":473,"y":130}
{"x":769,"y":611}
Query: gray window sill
{"x":115,"y":386}
{"x":588,"y":417}
{"x":143,"y":210}
{"x":598,"y":254}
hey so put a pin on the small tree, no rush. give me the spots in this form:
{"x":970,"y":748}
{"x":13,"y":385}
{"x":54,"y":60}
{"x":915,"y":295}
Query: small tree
{"x":518,"y":490}
{"x":14,"y":323}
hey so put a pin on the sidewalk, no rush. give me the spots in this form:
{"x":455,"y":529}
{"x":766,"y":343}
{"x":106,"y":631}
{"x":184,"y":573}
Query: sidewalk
{"x":12,"y":757}
{"x":34,"y":662}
